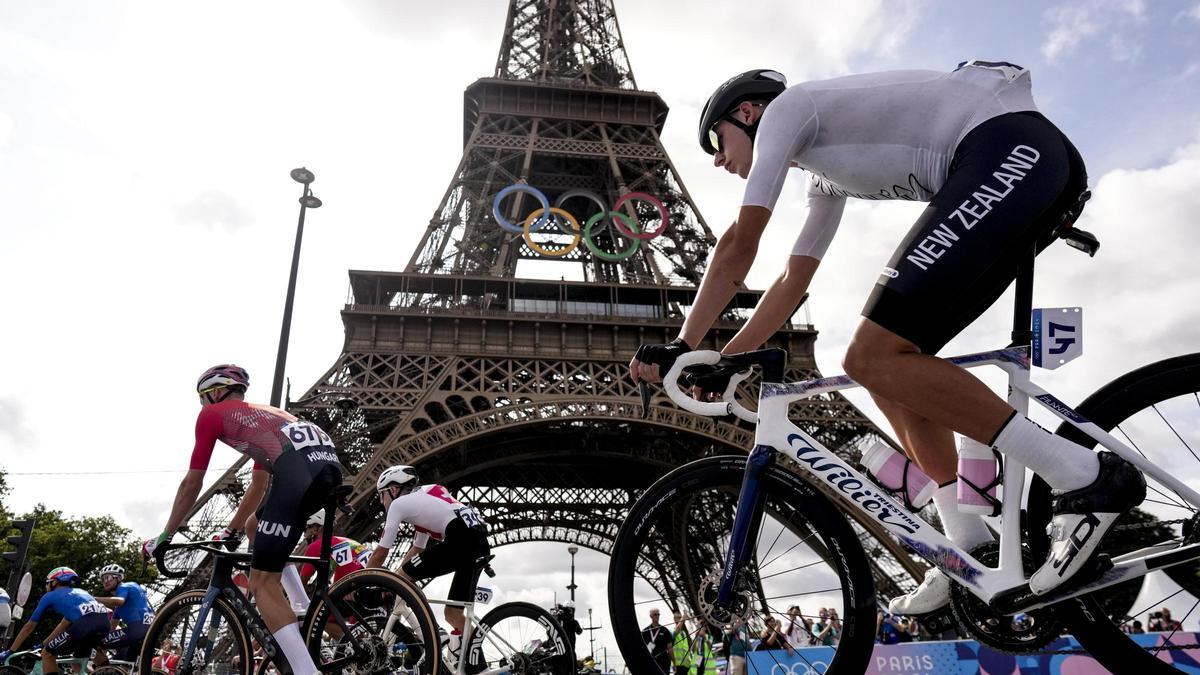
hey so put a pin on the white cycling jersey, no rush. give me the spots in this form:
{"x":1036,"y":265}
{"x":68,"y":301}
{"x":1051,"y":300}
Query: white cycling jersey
{"x":429,"y":508}
{"x":887,"y":135}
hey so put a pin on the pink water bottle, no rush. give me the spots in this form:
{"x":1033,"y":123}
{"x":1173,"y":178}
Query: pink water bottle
{"x":978,"y":478}
{"x":897,"y":474}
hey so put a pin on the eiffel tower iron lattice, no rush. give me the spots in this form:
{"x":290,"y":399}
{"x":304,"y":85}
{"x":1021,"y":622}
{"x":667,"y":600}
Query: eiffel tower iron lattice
{"x":513,"y":391}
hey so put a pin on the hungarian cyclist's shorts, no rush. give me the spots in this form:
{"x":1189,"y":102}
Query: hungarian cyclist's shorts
{"x":126,"y":641}
{"x":81,"y":637}
{"x":461,"y":551}
{"x":1012,"y":180}
{"x":300,"y":485}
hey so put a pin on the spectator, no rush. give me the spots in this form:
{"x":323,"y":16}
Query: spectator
{"x":799,"y":629}
{"x":705,"y":659}
{"x":681,"y":647}
{"x":827,"y":628}
{"x":886,"y":631}
{"x":658,"y":640}
{"x":739,"y":644}
{"x":771,"y":637}
{"x":1167,"y":622}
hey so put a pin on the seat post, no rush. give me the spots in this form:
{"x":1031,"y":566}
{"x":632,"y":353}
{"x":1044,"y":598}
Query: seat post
{"x":1022,"y":335}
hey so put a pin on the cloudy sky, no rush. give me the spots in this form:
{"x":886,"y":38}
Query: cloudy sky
{"x":146,"y":214}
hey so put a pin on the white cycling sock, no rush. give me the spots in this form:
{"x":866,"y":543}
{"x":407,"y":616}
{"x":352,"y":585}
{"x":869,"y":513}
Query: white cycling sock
{"x":1063,"y":464}
{"x":967,"y":530}
{"x":293,"y":648}
{"x":293,"y":588}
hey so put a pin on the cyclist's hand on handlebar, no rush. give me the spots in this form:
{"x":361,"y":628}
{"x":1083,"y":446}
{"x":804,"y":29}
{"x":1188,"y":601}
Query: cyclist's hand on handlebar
{"x":230,"y":537}
{"x":651,"y":362}
{"x":149,"y":545}
{"x":708,"y":383}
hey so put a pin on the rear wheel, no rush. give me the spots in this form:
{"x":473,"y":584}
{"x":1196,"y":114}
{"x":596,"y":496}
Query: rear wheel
{"x":372,"y":621}
{"x":222,"y":645}
{"x":522,"y":639}
{"x":1155,"y":410}
{"x":671,"y":549}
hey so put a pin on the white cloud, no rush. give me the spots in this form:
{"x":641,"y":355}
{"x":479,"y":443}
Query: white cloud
{"x":1075,"y":22}
{"x":213,"y":209}
{"x":14,"y":431}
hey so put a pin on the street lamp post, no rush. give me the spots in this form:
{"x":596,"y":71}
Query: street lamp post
{"x":307,"y":201}
{"x":572,"y":549}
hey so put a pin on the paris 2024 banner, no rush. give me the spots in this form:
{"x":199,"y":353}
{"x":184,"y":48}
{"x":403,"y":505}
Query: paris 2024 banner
{"x":968,"y":658}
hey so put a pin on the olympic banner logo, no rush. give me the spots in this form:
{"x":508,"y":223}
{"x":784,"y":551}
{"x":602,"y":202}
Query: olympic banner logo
{"x":545,"y":213}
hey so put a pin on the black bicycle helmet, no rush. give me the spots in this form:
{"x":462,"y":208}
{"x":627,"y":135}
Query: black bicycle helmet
{"x":753,"y":85}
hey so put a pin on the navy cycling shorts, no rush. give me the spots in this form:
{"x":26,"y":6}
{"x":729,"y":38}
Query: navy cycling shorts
{"x":127,"y":642}
{"x":1011,"y":182}
{"x":81,"y":637}
{"x":300,"y":485}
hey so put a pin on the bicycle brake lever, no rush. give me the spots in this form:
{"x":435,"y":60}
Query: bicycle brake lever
{"x":490,"y":572}
{"x":644,"y":390}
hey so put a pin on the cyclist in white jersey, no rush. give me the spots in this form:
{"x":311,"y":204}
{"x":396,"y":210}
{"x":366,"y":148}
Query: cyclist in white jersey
{"x":460,"y":536}
{"x":999,"y":179}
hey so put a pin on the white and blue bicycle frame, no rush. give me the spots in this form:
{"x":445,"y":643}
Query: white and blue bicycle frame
{"x":1004,"y":587}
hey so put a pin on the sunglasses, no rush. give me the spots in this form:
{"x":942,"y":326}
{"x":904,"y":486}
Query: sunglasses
{"x":751,"y":129}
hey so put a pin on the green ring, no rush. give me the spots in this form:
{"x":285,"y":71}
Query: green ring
{"x":604,"y":255}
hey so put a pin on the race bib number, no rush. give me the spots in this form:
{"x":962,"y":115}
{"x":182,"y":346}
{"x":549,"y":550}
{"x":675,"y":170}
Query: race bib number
{"x":342,"y":554}
{"x":91,"y":608}
{"x":483,"y":595}
{"x":148,"y":618}
{"x":1057,"y":336}
{"x":468,"y":516}
{"x":307,"y":435}
{"x":364,"y":556}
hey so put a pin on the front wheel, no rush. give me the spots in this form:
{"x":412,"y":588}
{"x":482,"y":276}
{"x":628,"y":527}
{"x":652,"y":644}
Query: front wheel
{"x":372,"y":621}
{"x":213,"y":643}
{"x":522,"y":639}
{"x":670,"y":551}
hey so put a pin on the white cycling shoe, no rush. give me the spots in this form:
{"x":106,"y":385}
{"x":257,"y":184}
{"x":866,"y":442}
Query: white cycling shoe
{"x":932,"y":595}
{"x":1082,"y":517}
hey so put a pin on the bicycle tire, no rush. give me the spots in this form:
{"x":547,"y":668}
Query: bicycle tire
{"x":165,"y":625}
{"x":793,"y":497}
{"x":11,"y":670}
{"x":557,"y":659}
{"x":110,"y":670}
{"x":362,"y":597}
{"x":1108,"y":407}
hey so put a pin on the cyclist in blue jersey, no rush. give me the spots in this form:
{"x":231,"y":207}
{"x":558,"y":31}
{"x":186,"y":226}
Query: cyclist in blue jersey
{"x":131,"y":608}
{"x":84,"y":621}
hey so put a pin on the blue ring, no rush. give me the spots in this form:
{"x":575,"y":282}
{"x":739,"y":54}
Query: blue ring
{"x":520,"y":187}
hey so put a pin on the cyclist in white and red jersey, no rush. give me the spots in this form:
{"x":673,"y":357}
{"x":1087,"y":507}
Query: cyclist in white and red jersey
{"x":434,"y":513}
{"x":346,"y":555}
{"x":1000,"y":179}
{"x":295,"y":467}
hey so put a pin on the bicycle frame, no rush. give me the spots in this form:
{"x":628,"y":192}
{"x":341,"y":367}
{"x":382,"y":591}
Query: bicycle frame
{"x":1005,"y":587}
{"x":468,"y":636}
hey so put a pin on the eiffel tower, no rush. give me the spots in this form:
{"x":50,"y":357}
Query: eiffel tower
{"x":512,"y":390}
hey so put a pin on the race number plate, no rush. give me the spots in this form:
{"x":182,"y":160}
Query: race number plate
{"x":483,"y":595}
{"x":1057,"y":336}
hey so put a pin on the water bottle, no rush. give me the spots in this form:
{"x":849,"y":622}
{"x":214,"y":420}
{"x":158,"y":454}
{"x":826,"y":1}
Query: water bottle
{"x":978,"y":478}
{"x":897,"y":474}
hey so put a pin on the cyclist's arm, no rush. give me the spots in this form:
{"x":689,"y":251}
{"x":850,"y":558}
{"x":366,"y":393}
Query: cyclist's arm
{"x":111,"y":602}
{"x":185,"y":498}
{"x":23,"y":635}
{"x":259,"y":480}
{"x":208,"y":429}
{"x":777,"y":305}
{"x":726,"y":273}
{"x":395,"y":516}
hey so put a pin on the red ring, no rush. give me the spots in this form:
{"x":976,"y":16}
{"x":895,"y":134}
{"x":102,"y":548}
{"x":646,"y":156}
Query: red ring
{"x":654,"y":201}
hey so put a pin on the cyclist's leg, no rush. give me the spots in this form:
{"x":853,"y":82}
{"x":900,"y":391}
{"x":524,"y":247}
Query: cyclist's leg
{"x":455,"y":554}
{"x":917,"y":433}
{"x":298,"y":487}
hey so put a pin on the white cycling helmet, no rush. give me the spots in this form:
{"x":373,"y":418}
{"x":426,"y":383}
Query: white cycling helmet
{"x":112,"y":569}
{"x":317,"y":519}
{"x":400,"y":475}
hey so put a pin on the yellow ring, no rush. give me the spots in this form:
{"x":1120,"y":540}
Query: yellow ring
{"x":547,"y":252}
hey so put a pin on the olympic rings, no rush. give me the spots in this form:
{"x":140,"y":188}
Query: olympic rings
{"x":553,"y":253}
{"x":520,"y":187}
{"x":627,"y":225}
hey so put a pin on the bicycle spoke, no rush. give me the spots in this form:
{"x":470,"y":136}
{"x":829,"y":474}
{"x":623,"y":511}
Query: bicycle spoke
{"x":1172,"y":428}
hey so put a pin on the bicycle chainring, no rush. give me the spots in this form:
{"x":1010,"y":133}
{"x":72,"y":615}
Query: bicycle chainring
{"x":1020,"y":633}
{"x":739,"y":609}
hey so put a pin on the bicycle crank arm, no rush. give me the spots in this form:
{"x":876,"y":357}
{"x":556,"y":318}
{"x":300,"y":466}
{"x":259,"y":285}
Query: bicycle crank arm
{"x":1103,"y":574}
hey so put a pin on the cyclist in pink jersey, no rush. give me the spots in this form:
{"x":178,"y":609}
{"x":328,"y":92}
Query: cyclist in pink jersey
{"x":348,"y":555}
{"x":295,"y":470}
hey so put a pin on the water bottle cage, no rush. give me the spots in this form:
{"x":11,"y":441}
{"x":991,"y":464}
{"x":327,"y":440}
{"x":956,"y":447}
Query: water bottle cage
{"x":983,"y":491}
{"x":900,"y":493}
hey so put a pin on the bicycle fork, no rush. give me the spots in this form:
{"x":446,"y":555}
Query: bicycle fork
{"x":746,"y":525}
